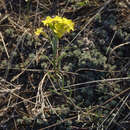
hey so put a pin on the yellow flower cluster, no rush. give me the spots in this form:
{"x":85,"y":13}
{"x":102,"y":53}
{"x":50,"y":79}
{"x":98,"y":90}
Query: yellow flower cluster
{"x":38,"y":31}
{"x":58,"y":25}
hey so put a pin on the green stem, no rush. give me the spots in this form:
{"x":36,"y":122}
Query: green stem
{"x":55,"y":42}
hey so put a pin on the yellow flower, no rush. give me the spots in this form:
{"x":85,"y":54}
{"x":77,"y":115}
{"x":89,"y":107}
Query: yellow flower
{"x":59,"y":25}
{"x":48,"y":21}
{"x":38,"y":31}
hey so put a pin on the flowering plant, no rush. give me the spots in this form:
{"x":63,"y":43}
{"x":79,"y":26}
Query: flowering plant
{"x":59,"y":27}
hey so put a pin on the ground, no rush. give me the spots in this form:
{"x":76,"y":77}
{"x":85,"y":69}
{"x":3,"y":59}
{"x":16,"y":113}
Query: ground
{"x":88,"y":87}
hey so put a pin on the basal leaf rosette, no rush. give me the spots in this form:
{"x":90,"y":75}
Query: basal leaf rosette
{"x":59,"y":25}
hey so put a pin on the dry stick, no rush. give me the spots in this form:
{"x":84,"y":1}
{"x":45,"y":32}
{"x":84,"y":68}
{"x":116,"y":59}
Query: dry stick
{"x":117,"y":95}
{"x":95,"y":70}
{"x":111,"y":42}
{"x":71,"y":118}
{"x":5,"y":17}
{"x":98,"y":81}
{"x":123,"y":44}
{"x":4,"y":45}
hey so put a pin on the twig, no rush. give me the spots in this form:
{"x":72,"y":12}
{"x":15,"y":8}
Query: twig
{"x":123,"y":44}
{"x":5,"y":17}
{"x":4,"y":45}
{"x":111,"y":42}
{"x":98,"y":81}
